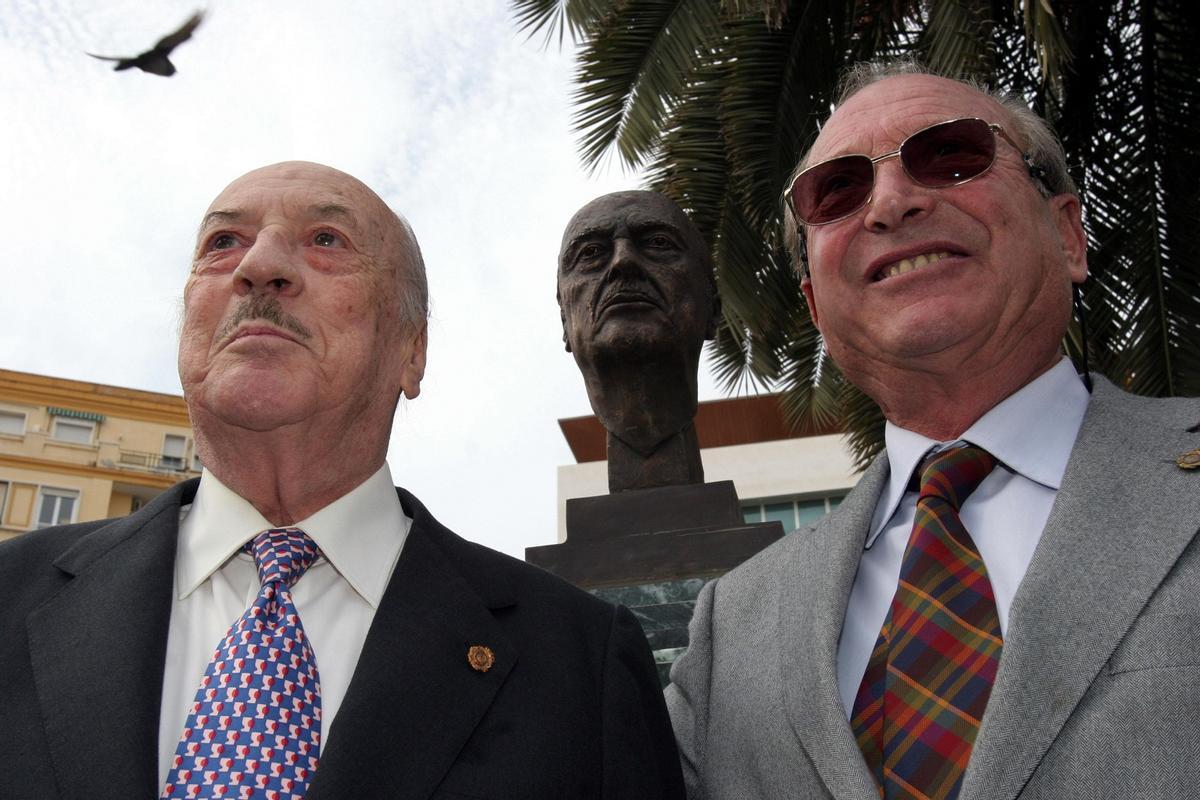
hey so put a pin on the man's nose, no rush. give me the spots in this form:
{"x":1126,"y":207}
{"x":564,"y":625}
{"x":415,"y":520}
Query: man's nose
{"x":625,"y":257}
{"x":270,"y":265}
{"x":896,"y":198}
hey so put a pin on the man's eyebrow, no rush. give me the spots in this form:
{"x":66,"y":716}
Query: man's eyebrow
{"x":596,"y":231}
{"x":325,"y":211}
{"x":643,"y":225}
{"x":219,"y":217}
{"x":332,"y":211}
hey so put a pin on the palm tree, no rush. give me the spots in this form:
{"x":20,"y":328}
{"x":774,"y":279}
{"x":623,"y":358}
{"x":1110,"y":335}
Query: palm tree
{"x":717,"y":99}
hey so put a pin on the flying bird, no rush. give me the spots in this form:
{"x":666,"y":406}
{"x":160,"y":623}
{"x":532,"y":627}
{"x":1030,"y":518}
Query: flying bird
{"x":155,"y":60}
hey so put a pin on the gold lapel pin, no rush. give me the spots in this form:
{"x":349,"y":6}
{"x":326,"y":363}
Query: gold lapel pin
{"x":480,"y":657}
{"x":1189,"y":460}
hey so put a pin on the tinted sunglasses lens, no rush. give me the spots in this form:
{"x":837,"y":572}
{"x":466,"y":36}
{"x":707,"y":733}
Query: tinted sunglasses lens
{"x":833,"y":189}
{"x":950,"y":153}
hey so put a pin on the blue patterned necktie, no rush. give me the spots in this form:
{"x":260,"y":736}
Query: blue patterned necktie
{"x":254,"y":728}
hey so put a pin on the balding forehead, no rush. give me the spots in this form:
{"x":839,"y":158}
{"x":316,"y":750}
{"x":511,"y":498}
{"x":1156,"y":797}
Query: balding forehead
{"x":883,"y":113}
{"x":636,"y":206}
{"x":312,"y":190}
{"x":335,"y":187}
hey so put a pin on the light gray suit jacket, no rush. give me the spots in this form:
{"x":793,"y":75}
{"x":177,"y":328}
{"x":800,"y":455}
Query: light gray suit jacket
{"x":1098,"y":693}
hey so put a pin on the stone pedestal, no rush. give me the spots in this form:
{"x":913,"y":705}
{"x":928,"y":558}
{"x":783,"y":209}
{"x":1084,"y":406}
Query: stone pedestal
{"x":645,"y":535}
{"x":652,"y":550}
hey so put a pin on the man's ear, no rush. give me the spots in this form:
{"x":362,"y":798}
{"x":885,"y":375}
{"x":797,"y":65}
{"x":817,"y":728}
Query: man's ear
{"x":806,"y":287}
{"x":1068,"y":220}
{"x":413,"y":369}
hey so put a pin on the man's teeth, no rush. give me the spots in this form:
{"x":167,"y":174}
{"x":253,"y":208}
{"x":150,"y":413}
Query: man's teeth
{"x":909,"y":264}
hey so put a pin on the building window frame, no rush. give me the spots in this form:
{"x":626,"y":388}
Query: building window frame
{"x":769,"y":509}
{"x":170,"y":460}
{"x":58,"y":495}
{"x":12,"y":413}
{"x":67,"y":423}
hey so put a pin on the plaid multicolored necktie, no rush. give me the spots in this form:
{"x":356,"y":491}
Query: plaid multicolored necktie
{"x":925,"y":689}
{"x":254,"y":729}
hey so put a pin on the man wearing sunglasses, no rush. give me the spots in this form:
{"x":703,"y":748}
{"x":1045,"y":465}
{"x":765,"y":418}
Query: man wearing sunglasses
{"x":1006,"y":604}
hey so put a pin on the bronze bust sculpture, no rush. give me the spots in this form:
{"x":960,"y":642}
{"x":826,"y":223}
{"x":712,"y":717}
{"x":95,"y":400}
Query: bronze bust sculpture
{"x":638,"y":297}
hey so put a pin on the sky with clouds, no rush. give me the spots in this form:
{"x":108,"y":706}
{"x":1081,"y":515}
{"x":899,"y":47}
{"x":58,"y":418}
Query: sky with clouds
{"x":455,"y":118}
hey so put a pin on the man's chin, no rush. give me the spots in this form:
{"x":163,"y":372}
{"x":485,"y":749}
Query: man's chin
{"x":256,"y":402}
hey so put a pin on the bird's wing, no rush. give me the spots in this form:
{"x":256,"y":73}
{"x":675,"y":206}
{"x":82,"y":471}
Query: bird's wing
{"x":173,"y":40}
{"x":108,"y":58}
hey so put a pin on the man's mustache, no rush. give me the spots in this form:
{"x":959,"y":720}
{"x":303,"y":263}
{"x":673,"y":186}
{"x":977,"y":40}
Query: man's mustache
{"x":265,"y":308}
{"x":630,"y":291}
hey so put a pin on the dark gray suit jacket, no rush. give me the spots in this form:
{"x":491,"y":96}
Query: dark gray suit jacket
{"x":1098,"y":693}
{"x":572,"y":707}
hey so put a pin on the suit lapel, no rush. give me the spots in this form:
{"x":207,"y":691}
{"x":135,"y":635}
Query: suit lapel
{"x":414,"y":699}
{"x":813,"y":594}
{"x":97,"y":649}
{"x":1123,"y":516}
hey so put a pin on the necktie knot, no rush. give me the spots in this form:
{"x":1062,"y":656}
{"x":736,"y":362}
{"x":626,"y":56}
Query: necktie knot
{"x":282,"y":554}
{"x":953,"y":475}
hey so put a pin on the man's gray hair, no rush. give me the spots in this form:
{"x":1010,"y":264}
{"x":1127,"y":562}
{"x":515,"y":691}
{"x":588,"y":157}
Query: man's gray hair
{"x":1028,"y":129}
{"x":412,"y":293}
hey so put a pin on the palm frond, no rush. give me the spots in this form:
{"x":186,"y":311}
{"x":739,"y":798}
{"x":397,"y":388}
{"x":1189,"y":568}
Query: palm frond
{"x":957,"y":40}
{"x":633,"y":70}
{"x":1046,"y":38}
{"x":1142,"y":201}
{"x":719,"y":98}
{"x":557,"y":18}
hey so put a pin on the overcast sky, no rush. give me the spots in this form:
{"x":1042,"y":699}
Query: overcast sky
{"x":457,"y":120}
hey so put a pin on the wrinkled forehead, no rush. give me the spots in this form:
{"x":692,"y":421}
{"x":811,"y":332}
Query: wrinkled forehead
{"x":877,"y":118}
{"x":301,"y":191}
{"x":605,"y":216}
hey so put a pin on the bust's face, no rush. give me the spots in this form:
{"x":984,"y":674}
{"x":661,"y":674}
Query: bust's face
{"x":633,"y":277}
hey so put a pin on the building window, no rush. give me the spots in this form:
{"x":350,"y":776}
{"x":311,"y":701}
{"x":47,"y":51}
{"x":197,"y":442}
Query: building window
{"x":56,"y":507}
{"x":3,"y":498}
{"x":173,"y":450}
{"x":77,"y":431}
{"x":792,"y":514}
{"x":12,"y":423}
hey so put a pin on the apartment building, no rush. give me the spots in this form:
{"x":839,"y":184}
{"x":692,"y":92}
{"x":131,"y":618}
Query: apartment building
{"x":72,"y":451}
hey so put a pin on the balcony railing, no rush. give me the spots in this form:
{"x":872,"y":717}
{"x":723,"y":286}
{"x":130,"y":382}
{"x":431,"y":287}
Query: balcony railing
{"x":156,"y":462}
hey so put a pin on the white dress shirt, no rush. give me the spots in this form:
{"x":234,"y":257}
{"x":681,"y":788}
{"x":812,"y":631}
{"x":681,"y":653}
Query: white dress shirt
{"x":360,"y":536}
{"x":1031,"y":434}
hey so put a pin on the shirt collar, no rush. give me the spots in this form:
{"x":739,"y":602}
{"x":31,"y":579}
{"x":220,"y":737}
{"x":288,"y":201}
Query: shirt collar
{"x":360,"y":534}
{"x":1031,"y":431}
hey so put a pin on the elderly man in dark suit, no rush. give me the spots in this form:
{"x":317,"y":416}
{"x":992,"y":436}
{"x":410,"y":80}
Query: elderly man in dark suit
{"x":1006,"y":605}
{"x":290,"y":625}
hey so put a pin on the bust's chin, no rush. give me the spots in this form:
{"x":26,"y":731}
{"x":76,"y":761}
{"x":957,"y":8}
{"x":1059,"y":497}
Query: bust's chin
{"x":629,"y":345}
